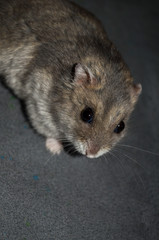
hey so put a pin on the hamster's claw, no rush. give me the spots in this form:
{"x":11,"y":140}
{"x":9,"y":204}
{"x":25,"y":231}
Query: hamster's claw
{"x":53,"y":145}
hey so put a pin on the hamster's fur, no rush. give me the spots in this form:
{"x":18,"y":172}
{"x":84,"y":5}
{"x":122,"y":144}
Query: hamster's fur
{"x":57,"y":57}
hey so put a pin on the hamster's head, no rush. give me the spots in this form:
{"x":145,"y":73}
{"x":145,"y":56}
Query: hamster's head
{"x":96,"y":114}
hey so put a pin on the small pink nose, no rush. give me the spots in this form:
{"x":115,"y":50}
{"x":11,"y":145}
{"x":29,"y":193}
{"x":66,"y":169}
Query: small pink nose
{"x":92,"y":150}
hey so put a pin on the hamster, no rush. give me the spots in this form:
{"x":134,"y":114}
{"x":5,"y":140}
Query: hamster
{"x":57,"y":57}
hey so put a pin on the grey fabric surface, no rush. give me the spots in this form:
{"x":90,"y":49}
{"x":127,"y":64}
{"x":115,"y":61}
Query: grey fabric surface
{"x":75,"y":198}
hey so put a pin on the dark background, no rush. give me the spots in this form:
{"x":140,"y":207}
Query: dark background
{"x":113,"y":197}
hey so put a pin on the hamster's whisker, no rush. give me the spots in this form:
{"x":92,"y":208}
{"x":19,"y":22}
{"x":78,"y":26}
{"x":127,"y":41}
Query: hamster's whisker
{"x":139,"y":149}
{"x":72,"y":150}
{"x":48,"y":160}
{"x":105,"y":157}
{"x":68,"y":145}
{"x":128,"y":157}
{"x":120,"y":162}
{"x":134,"y":172}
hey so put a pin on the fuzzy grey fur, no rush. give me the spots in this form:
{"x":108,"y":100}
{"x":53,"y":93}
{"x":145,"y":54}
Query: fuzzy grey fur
{"x":40,"y":42}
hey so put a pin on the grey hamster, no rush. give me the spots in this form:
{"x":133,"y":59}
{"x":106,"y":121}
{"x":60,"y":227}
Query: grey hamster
{"x":57,"y":57}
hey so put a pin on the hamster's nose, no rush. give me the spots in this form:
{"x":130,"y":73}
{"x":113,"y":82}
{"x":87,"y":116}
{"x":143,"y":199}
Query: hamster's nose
{"x":92,"y":150}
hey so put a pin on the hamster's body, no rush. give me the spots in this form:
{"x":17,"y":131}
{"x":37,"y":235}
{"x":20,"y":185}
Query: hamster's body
{"x":57,"y":57}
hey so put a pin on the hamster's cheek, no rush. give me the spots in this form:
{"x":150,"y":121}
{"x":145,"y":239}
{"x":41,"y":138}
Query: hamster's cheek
{"x":80,"y":146}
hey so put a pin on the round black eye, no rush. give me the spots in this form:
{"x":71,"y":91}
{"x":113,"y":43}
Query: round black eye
{"x":120,"y":127}
{"x":87,"y":115}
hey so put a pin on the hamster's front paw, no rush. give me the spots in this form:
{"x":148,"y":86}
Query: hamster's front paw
{"x":53,"y":145}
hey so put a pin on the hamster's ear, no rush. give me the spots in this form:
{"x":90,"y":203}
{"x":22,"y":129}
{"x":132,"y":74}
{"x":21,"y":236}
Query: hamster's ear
{"x":136,"y":90}
{"x":84,"y":77}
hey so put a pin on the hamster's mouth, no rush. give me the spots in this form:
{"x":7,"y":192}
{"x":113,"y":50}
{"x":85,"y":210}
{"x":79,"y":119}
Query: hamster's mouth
{"x":98,"y":154}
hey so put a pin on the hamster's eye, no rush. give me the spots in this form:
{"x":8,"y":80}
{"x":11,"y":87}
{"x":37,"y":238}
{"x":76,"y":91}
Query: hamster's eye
{"x":87,"y":115}
{"x":120,"y":127}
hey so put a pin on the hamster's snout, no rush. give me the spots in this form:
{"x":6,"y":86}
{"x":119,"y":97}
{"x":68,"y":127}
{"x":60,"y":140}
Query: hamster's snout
{"x":93,"y":150}
{"x":90,"y":148}
{"x":95,"y":154}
